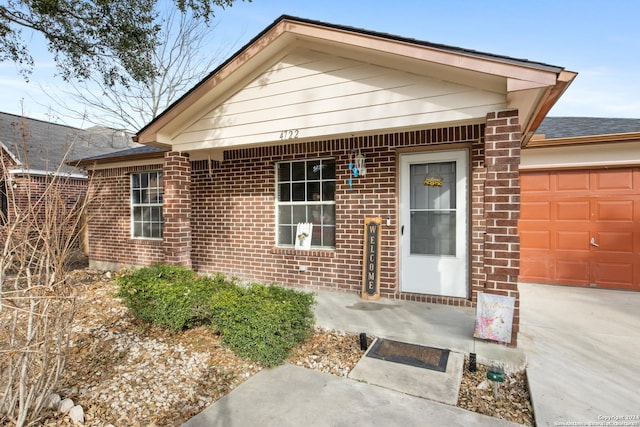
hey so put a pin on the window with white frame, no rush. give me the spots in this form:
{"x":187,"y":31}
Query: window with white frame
{"x":306,"y":192}
{"x":146,"y":205}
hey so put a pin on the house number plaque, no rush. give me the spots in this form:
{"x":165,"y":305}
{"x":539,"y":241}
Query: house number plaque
{"x":371,"y":258}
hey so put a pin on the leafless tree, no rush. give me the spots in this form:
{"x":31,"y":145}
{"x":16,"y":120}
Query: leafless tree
{"x":39,"y":229}
{"x":182,"y":58}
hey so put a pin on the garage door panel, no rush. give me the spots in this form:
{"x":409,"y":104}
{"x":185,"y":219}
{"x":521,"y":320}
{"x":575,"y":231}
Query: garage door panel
{"x":536,"y":239}
{"x":617,"y":275}
{"x":616,"y":180}
{"x":536,"y":267}
{"x":614,"y":210}
{"x":618,"y":243}
{"x":573,"y":181}
{"x":535,"y":182}
{"x":571,"y":270}
{"x":536,"y":211}
{"x":572,"y":210}
{"x":573,"y":241}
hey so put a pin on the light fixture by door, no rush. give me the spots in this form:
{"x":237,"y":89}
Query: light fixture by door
{"x":362,"y":170}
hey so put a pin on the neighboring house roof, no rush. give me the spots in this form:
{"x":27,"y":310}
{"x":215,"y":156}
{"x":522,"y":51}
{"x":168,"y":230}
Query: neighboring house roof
{"x":569,"y":127}
{"x":44,"y":147}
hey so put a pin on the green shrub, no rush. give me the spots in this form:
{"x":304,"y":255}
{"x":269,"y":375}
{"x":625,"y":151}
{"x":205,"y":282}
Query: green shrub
{"x":263,"y":323}
{"x":170,"y":296}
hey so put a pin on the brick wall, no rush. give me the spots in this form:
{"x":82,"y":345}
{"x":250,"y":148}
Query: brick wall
{"x":502,"y":208}
{"x":233,"y":225}
{"x":176,"y":209}
{"x":26,"y":201}
{"x":110,"y":242}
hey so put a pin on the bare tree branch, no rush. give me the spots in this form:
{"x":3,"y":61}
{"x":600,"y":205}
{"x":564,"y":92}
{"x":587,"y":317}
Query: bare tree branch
{"x":181,"y":59}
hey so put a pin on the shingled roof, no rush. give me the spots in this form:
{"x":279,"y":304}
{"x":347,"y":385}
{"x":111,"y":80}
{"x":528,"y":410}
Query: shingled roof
{"x":42,"y":147}
{"x":567,"y":127}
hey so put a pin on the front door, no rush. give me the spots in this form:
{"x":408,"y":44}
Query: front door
{"x":433,"y":223}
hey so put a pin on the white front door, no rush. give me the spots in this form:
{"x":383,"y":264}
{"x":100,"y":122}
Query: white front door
{"x":433,"y":223}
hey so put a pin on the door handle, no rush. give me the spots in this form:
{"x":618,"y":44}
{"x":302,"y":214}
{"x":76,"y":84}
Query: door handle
{"x":593,"y":242}
{"x":402,"y":230}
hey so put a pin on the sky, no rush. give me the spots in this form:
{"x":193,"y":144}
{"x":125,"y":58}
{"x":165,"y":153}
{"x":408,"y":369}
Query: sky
{"x":600,"y":40}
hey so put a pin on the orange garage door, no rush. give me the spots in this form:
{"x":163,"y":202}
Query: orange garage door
{"x":581,"y":228}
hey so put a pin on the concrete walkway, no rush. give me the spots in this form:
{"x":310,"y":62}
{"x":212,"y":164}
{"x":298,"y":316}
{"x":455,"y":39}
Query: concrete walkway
{"x":293,"y":396}
{"x":581,"y":348}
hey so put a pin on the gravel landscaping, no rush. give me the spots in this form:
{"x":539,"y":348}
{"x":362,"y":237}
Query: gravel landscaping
{"x":127,"y":373}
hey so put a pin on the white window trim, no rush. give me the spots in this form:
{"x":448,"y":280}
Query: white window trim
{"x":134,"y":205}
{"x":301,"y":203}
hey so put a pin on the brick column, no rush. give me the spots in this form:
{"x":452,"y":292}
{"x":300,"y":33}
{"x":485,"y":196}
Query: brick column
{"x":176,"y":209}
{"x":502,"y":208}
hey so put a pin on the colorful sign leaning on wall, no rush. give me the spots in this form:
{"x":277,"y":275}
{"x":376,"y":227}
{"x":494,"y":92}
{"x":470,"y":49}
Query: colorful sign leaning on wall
{"x":494,"y":317}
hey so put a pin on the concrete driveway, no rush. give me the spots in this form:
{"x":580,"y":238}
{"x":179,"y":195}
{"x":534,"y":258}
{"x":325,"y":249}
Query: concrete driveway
{"x":583,"y":354}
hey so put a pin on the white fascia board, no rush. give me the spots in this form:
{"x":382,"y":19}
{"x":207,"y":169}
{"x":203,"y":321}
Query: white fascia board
{"x":23,"y":171}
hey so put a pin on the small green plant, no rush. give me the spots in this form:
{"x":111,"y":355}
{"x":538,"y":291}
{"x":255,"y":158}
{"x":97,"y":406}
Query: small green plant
{"x":263,"y":323}
{"x":170,"y":296}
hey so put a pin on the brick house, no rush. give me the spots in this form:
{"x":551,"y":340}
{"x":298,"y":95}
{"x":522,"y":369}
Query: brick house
{"x":273,"y":136}
{"x":33,"y":151}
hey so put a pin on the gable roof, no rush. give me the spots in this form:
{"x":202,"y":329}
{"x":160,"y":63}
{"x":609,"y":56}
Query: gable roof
{"x":452,"y":49}
{"x":532,"y":87}
{"x":44,"y":147}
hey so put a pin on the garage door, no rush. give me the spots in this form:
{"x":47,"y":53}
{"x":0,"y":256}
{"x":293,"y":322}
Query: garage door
{"x":581,"y":228}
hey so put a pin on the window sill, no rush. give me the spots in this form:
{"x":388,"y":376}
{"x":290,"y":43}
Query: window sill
{"x":146,"y":240}
{"x":317,"y":253}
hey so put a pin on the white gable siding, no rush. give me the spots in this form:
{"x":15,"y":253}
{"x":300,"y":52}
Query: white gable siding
{"x":316,"y":95}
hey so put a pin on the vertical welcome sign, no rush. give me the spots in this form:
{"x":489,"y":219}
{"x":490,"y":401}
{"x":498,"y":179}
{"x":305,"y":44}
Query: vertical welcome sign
{"x":371,"y":258}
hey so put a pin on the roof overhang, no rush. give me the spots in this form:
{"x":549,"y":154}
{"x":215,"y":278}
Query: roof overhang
{"x":540,"y":141}
{"x":114,"y":160}
{"x":530,"y":87}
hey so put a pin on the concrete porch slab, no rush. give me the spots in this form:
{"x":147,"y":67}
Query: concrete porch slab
{"x":433,"y":325}
{"x":420,"y":382}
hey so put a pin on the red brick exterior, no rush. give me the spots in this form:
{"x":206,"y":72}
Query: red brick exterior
{"x":24,"y":188}
{"x":110,"y":220}
{"x":176,"y":209}
{"x":502,"y":208}
{"x":25,"y":192}
{"x":226,"y":212}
